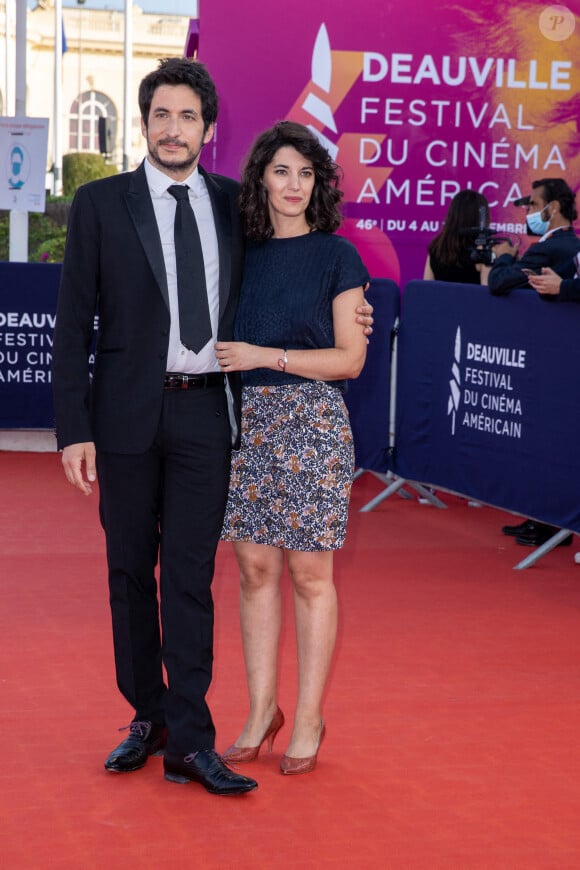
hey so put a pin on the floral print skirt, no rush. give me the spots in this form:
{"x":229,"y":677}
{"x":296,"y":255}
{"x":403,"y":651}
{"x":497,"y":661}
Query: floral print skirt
{"x":291,"y":479}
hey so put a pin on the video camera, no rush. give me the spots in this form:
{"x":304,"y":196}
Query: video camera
{"x":484,"y":239}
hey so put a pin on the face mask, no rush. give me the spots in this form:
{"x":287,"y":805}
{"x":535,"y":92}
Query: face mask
{"x":537,"y":226}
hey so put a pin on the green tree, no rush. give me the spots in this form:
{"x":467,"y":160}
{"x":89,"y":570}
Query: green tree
{"x":47,"y":231}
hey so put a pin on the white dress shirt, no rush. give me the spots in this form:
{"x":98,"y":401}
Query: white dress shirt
{"x":179,"y":358}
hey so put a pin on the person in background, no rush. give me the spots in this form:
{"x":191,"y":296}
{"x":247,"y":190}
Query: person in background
{"x":551,"y":210}
{"x":296,"y":343}
{"x":450,"y":254}
{"x":563,"y":285}
{"x":551,"y":285}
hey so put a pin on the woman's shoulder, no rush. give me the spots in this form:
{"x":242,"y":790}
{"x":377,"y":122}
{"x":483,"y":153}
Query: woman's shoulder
{"x":337,"y":246}
{"x":347,"y":265}
{"x":334,"y":240}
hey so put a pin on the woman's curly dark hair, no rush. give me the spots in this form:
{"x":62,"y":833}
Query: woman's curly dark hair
{"x":322,"y":212}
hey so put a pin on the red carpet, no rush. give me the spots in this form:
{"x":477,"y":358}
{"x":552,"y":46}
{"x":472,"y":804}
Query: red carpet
{"x":453,"y":711}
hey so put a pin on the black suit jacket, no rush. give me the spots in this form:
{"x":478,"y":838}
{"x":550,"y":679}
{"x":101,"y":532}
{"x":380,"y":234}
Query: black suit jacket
{"x":113,"y":267}
{"x":506,"y":273}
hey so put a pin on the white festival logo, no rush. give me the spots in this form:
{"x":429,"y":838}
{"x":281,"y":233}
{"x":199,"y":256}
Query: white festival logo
{"x":321,"y":77}
{"x":455,"y":382}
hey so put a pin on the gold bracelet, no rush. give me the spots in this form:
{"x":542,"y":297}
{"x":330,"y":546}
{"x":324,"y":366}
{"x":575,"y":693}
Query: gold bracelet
{"x":283,"y":362}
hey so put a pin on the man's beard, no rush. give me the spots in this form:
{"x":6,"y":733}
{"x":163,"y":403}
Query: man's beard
{"x":188,"y":162}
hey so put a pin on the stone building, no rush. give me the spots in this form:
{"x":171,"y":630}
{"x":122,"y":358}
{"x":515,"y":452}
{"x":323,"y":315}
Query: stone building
{"x":92,"y":70}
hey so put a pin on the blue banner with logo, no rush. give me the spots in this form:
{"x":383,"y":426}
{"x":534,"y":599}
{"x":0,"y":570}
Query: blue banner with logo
{"x":368,"y":397}
{"x":487,"y":398}
{"x":486,"y":388}
{"x":28,"y":293}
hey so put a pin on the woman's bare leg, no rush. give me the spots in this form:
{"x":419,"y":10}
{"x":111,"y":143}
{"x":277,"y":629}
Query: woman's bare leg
{"x":316,"y":613}
{"x":261,"y":568}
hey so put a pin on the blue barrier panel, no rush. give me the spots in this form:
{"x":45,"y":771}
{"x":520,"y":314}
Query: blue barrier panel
{"x":487,"y":398}
{"x":28,"y":293}
{"x":368,"y":397}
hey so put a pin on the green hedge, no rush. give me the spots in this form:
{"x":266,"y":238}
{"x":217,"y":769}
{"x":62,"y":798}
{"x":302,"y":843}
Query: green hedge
{"x":47,"y":232}
{"x":78,"y":168}
{"x":46,"y":236}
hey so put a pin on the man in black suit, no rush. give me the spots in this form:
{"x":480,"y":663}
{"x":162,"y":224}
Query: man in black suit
{"x":551,"y":212}
{"x":158,"y":420}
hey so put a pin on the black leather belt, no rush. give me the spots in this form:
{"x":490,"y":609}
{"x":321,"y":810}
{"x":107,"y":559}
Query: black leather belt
{"x":179,"y":381}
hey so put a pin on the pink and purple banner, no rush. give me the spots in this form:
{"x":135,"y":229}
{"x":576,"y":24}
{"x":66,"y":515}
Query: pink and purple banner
{"x":414,"y":100}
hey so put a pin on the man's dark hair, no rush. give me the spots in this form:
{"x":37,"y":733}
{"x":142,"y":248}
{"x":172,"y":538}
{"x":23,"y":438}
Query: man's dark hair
{"x":557,"y":189}
{"x":180,"y":71}
{"x":322,"y":212}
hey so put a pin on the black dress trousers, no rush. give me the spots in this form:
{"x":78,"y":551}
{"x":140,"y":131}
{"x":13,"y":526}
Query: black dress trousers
{"x":168,"y":503}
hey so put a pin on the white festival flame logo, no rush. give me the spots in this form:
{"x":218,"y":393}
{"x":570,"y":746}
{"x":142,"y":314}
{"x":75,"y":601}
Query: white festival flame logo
{"x":455,"y":382}
{"x":321,"y":77}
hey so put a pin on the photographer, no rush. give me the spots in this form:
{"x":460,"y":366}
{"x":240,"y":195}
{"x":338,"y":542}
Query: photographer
{"x":453,"y":255}
{"x":551,"y":211}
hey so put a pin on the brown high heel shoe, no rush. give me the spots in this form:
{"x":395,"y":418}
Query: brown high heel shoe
{"x":241,"y":754}
{"x":289,"y":765}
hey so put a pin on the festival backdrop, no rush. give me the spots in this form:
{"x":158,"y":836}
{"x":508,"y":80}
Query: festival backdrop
{"x":414,"y":100}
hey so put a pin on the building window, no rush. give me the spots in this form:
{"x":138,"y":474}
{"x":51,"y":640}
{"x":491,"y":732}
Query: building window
{"x":84,"y":124}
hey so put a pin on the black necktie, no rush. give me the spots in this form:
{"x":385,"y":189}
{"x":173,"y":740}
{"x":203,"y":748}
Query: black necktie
{"x":194,"y":320}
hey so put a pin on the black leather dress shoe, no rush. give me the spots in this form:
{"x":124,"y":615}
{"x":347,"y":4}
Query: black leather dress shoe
{"x":144,"y":739}
{"x":207,"y":768}
{"x":522,"y":529}
{"x":540,"y":536}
